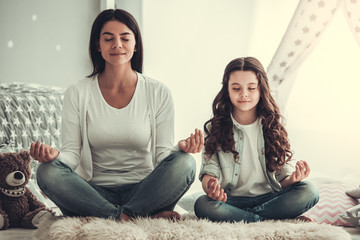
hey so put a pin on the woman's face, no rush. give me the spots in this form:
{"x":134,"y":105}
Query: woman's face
{"x":116,"y":43}
{"x":244,"y":91}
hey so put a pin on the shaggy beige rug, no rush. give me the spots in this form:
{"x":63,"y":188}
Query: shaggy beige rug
{"x":189,"y":228}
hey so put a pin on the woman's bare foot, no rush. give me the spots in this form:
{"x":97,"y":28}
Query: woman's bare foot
{"x":171,"y":215}
{"x":125,"y":217}
{"x":305,"y":219}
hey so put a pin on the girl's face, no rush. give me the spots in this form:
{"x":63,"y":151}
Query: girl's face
{"x":116,"y":43}
{"x":244,"y":91}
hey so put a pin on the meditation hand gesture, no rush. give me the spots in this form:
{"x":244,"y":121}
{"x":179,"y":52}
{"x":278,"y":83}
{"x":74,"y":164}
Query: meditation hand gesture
{"x":302,"y":171}
{"x":213,"y":189}
{"x":192,"y":144}
{"x":43,"y":152}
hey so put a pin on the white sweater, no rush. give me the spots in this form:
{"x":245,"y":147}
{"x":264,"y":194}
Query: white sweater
{"x":75,"y":150}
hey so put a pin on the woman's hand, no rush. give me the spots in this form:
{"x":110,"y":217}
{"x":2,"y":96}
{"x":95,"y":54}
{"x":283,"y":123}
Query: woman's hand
{"x":213,"y":189}
{"x":302,"y":171}
{"x":43,"y":152}
{"x":192,"y":144}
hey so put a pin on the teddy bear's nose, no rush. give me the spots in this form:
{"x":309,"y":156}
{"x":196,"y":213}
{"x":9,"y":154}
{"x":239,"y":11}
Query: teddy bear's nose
{"x":18,"y":175}
{"x":15,"y":179}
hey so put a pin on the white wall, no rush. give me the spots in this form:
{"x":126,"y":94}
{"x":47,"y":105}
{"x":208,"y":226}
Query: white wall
{"x":45,"y":41}
{"x":270,"y":23}
{"x":134,"y":7}
{"x":187,"y":46}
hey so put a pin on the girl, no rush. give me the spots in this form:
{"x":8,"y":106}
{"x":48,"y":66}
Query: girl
{"x":246,"y":172}
{"x":117,"y":134}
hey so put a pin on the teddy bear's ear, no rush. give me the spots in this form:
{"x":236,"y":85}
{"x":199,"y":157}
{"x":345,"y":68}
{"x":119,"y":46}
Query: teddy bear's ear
{"x":25,"y":155}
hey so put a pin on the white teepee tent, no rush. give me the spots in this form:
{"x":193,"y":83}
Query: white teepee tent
{"x":308,"y":23}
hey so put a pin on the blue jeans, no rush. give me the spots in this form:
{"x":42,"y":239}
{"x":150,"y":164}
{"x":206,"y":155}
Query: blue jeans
{"x":158,"y":192}
{"x":288,"y":203}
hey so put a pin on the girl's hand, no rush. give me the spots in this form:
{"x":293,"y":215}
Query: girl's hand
{"x":43,"y":152}
{"x":192,"y":144}
{"x":302,"y":171}
{"x":214,"y":190}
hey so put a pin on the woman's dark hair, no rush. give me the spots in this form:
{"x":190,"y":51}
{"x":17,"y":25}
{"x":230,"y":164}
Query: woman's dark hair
{"x":219,"y":129}
{"x":124,"y":17}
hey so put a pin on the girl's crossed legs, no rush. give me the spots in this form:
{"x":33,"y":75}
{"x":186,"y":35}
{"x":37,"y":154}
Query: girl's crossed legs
{"x":286,"y":204}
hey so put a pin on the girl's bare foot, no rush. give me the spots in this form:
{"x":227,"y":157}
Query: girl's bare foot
{"x":305,"y":219}
{"x":171,"y":215}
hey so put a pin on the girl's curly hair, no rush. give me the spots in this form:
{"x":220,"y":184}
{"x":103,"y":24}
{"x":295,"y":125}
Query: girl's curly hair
{"x":219,"y":129}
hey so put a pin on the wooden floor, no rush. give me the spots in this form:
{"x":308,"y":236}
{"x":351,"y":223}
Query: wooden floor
{"x":26,"y":234}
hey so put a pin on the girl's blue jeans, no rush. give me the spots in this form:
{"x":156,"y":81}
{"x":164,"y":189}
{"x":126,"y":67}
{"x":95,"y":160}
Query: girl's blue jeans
{"x":159,"y":191}
{"x":289,"y":203}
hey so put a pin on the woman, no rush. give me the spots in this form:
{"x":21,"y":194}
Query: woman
{"x":117,"y":134}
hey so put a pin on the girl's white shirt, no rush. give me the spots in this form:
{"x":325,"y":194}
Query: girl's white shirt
{"x":252,"y":181}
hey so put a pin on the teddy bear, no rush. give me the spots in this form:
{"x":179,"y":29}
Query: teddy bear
{"x":19,"y":207}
